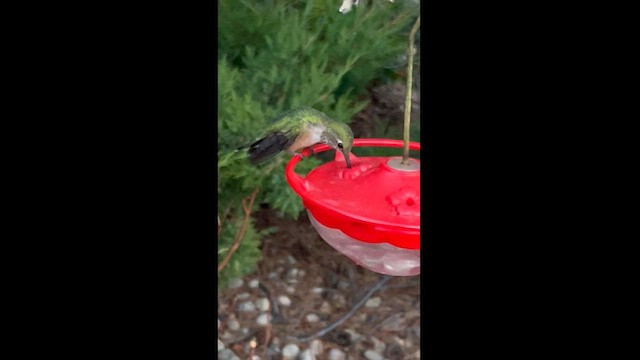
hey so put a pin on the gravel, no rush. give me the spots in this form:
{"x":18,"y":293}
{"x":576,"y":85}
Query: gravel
{"x":316,"y":348}
{"x":227,"y":354}
{"x":306,"y":355}
{"x":378,"y":346}
{"x":243,"y":296}
{"x":373,"y":302}
{"x":311,"y":318}
{"x":284,"y":300}
{"x":263,"y":304}
{"x":235,"y":283}
{"x":290,"y":351}
{"x":246,"y":306}
{"x":262,"y":319}
{"x":354,"y":335}
{"x":320,"y":298}
{"x":233,"y":324}
{"x":325,"y":308}
{"x":293,"y":273}
{"x":372,"y":355}
{"x":336,"y":354}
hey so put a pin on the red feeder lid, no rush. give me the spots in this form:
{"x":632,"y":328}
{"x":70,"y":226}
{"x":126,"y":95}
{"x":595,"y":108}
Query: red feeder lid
{"x":375,"y":201}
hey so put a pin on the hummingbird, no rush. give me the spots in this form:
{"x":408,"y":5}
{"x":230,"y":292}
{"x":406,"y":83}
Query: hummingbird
{"x":298,"y":129}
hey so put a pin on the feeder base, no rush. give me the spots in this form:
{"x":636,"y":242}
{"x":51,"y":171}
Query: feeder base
{"x":382,"y":258}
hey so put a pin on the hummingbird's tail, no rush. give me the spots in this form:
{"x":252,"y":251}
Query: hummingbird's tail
{"x":224,"y":159}
{"x":267,"y":147}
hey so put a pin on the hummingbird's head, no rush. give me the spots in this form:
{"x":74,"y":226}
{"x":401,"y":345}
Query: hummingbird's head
{"x":340,"y":137}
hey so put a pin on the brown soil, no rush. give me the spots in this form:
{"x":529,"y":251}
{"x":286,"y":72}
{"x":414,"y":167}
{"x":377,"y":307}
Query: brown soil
{"x":394,"y":323}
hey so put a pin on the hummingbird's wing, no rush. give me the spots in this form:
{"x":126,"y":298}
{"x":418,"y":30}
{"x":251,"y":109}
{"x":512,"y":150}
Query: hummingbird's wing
{"x":283,"y":133}
{"x":270,"y":145}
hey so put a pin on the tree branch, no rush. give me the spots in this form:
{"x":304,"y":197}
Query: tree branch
{"x":243,"y":229}
{"x":221,"y":220}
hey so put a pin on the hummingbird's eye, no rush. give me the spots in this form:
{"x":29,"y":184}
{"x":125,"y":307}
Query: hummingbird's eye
{"x":340,"y":145}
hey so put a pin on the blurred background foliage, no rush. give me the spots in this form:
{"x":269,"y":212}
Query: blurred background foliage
{"x":274,"y":55}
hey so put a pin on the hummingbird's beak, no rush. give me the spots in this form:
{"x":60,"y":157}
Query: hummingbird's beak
{"x":347,"y":159}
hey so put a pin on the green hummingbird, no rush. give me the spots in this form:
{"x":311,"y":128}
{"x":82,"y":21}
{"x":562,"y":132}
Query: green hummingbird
{"x":298,"y":129}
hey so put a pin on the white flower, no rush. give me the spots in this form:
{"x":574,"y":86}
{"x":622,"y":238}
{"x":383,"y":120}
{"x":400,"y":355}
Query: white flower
{"x":346,"y":5}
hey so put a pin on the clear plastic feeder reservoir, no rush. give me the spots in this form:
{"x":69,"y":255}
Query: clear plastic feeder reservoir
{"x":370,"y":212}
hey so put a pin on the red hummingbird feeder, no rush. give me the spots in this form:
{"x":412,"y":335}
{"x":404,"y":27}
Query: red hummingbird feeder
{"x":369,"y":212}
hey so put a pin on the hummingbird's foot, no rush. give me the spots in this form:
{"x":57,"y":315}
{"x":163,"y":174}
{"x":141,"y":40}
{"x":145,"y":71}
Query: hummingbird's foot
{"x":309,"y":153}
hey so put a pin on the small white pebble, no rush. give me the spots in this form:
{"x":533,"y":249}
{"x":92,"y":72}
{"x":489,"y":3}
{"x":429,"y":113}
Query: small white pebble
{"x":306,"y":355}
{"x":254,"y":283}
{"x":243,"y":296}
{"x":338,"y":300}
{"x":262,"y":304}
{"x":272,"y":275}
{"x":233,"y":324}
{"x":284,"y":300}
{"x":301,"y":273}
{"x":378,"y":346}
{"x":317,"y":290}
{"x":255,"y":357}
{"x":273,"y":352}
{"x":316,"y":348}
{"x":225,"y":354}
{"x":291,"y":260}
{"x":235,"y":283}
{"x":336,"y":354}
{"x":372,"y":355}
{"x":373,"y":302}
{"x":246,"y":306}
{"x":292,"y":273}
{"x":325,"y":308}
{"x":262,"y":319}
{"x":311,"y":318}
{"x":290,"y":351}
{"x":400,"y":342}
{"x":245,"y":331}
{"x":276,"y":343}
{"x":355,"y":337}
{"x":220,"y":345}
{"x":290,"y":290}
